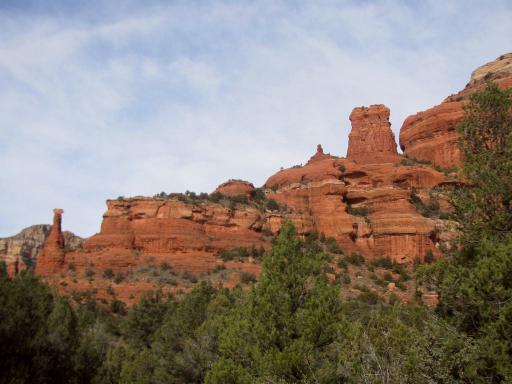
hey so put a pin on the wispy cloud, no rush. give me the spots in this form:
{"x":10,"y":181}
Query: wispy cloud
{"x":100,"y":99}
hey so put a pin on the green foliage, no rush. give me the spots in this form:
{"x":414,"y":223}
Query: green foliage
{"x":383,"y":262}
{"x":247,"y":277}
{"x":474,"y":282}
{"x":108,"y":273}
{"x":284,"y":328}
{"x":358,"y":211}
{"x":483,"y":207}
{"x":37,"y":332}
{"x":355,"y":259}
{"x":331,"y":245}
{"x":427,"y":210}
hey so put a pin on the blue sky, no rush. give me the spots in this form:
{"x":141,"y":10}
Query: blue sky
{"x":102,"y":99}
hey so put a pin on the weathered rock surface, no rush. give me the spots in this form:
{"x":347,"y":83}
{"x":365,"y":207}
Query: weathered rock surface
{"x":51,"y":257}
{"x":366,"y":208}
{"x":21,"y":251}
{"x":431,"y":135}
{"x":369,"y":203}
{"x":236,"y":188}
{"x":371,"y":140}
{"x":499,"y":68}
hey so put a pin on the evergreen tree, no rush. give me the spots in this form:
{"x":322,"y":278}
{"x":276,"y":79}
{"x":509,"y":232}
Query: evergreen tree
{"x":285,"y":328}
{"x":475,"y":281}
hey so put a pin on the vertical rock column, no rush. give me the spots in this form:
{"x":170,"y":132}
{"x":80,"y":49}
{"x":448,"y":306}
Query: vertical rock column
{"x":371,"y":140}
{"x":51,"y":257}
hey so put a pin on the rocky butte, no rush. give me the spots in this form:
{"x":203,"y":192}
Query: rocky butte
{"x":374,"y":202}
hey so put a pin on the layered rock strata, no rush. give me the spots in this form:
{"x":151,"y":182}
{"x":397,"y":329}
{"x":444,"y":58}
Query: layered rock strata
{"x":371,"y":140}
{"x":431,"y":135}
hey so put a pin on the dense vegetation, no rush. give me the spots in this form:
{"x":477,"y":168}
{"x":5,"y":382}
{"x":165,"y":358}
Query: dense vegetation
{"x":292,"y":325}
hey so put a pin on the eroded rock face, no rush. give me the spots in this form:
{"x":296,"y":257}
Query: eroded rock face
{"x":366,"y":207}
{"x":371,"y":140}
{"x":236,"y":188}
{"x":497,"y":69}
{"x":51,"y":257}
{"x":431,"y":135}
{"x":21,"y":251}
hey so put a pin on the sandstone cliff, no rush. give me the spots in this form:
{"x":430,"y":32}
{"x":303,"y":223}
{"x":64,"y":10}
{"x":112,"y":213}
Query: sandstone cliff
{"x":374,"y":202}
{"x":431,"y":135}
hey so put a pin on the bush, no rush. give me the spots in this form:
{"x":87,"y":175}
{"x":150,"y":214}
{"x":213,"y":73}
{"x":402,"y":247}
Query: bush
{"x":355,"y":259}
{"x":332,"y":245}
{"x":108,"y":273}
{"x":383,"y":262}
{"x":118,"y":307}
{"x":370,"y":297}
{"x":272,"y":205}
{"x":247,"y":277}
{"x":89,"y":272}
{"x":346,"y":279}
{"x":429,"y":257}
{"x":119,"y":278}
{"x":342,"y":263}
{"x":165,"y":266}
{"x":358,"y":211}
{"x":186,"y":275}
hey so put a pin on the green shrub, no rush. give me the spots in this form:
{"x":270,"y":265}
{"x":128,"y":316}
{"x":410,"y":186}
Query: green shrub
{"x":247,"y":277}
{"x":369,"y":297}
{"x":272,"y":205}
{"x":332,"y":245}
{"x":108,"y":273}
{"x":358,"y":211}
{"x":429,"y":257}
{"x":119,"y":278}
{"x":342,"y":263}
{"x":383,"y":262}
{"x":118,"y":307}
{"x":355,"y":259}
{"x":346,"y":279}
{"x":186,"y":275}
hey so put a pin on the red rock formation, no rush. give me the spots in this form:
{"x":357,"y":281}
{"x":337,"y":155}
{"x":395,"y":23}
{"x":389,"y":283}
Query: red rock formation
{"x":431,"y":135}
{"x":326,"y":191}
{"x":236,"y":188}
{"x":371,"y":140}
{"x":51,"y":257}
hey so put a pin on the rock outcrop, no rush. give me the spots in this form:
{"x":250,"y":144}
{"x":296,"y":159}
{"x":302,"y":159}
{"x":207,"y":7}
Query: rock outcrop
{"x":236,"y":188}
{"x":371,"y":140}
{"x":51,"y":257}
{"x":21,"y":251}
{"x":374,"y":202}
{"x":431,"y":135}
{"x":366,"y":208}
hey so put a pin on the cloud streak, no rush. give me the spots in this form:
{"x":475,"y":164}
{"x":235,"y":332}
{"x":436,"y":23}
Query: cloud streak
{"x":99,"y":100}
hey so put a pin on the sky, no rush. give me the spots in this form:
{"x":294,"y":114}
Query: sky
{"x":100,"y":99}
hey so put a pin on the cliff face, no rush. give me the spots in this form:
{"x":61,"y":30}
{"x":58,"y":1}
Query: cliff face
{"x":431,"y":135}
{"x":366,"y":208}
{"x":374,"y":202}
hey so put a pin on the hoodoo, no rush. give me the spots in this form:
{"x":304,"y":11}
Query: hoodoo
{"x":51,"y":258}
{"x":371,"y":140}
